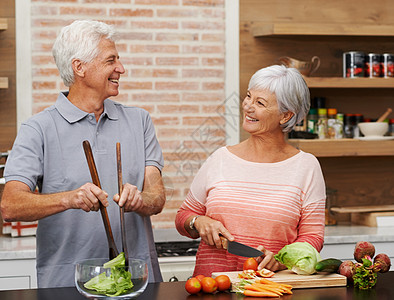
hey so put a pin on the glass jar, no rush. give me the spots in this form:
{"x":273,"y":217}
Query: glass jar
{"x":391,"y":127}
{"x":331,"y":123}
{"x":348,"y":125}
{"x":358,"y":118}
{"x":339,"y":126}
{"x":322,"y":123}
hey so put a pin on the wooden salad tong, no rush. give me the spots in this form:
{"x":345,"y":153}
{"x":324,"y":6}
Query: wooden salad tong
{"x":113,"y":251}
{"x":120,"y":189}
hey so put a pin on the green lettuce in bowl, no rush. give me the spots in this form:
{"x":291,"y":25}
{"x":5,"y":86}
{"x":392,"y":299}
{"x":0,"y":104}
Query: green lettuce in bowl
{"x":300,"y":257}
{"x":103,"y":279}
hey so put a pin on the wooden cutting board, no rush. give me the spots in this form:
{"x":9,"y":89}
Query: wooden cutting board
{"x":295,"y":280}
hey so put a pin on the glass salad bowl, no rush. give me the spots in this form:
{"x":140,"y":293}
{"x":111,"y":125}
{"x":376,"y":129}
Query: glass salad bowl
{"x":96,"y":280}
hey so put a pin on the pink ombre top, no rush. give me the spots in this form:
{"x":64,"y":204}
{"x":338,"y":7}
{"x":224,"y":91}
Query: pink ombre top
{"x":269,"y":204}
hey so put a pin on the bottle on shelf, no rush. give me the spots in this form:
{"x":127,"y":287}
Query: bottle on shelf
{"x":339,"y":126}
{"x":322,"y":123}
{"x":334,"y":124}
{"x":348,"y":125}
{"x":331,"y":123}
{"x":391,"y":127}
{"x":312,"y":120}
{"x":318,"y":102}
{"x":357,"y":119}
{"x":300,"y":126}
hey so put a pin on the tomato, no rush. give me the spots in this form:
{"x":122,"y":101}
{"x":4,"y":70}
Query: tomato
{"x":193,"y":286}
{"x":223,"y":282}
{"x":209,"y":285}
{"x":250,"y":264}
{"x":199,"y":277}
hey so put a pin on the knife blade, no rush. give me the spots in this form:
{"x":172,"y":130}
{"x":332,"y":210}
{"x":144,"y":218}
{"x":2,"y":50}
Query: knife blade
{"x":240,"y":249}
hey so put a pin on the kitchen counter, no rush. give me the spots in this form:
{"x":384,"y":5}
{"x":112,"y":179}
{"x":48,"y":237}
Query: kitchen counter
{"x":17,"y":255}
{"x":17,"y":247}
{"x":353,"y":233}
{"x":25,"y":247}
{"x":384,"y":289}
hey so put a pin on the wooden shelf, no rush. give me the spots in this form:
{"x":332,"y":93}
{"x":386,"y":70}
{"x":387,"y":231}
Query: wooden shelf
{"x":3,"y":24}
{"x":362,"y":209}
{"x":340,"y":82}
{"x":344,"y":147}
{"x":3,"y":83}
{"x":260,"y":29}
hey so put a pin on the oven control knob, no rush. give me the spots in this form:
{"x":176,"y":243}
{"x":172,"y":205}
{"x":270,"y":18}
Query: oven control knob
{"x":173,"y":279}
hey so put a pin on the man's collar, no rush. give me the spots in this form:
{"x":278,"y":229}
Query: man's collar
{"x":73,"y":114}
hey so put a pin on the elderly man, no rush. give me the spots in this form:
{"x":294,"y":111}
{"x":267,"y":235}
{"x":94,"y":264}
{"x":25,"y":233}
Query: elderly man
{"x":48,"y":154}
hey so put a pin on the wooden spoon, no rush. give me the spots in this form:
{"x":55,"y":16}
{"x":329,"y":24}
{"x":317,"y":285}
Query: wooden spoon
{"x":120,"y":188}
{"x":385,"y":115}
{"x":113,"y":251}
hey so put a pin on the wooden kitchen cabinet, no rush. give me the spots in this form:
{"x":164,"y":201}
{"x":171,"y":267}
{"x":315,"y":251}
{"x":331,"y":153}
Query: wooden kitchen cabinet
{"x":260,"y":29}
{"x":344,"y":147}
{"x":3,"y":83}
{"x":8,"y":122}
{"x":3,"y":80}
{"x":361,"y":171}
{"x":3,"y":24}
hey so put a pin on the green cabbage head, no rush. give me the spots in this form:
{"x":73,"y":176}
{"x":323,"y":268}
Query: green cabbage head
{"x":300,"y":257}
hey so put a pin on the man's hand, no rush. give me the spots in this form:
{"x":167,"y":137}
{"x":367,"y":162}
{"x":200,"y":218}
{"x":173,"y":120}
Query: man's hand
{"x":87,"y":197}
{"x":19,"y":203}
{"x":131,"y":198}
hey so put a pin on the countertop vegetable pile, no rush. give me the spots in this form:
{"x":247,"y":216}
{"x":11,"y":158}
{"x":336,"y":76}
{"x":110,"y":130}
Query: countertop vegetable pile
{"x":363,"y":273}
{"x":303,"y":259}
{"x":117,"y":283}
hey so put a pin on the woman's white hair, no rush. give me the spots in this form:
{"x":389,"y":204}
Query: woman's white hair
{"x":79,"y":40}
{"x":290,"y":90}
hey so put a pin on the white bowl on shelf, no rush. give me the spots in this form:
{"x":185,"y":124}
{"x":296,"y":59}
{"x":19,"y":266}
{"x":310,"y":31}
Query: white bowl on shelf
{"x":373,"y":129}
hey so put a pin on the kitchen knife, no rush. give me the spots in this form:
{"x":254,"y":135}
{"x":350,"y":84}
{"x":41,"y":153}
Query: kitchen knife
{"x":239,"y":249}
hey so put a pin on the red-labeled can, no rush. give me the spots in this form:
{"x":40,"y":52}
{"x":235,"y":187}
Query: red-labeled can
{"x":372,"y":65}
{"x":353,"y":64}
{"x":387,"y":65}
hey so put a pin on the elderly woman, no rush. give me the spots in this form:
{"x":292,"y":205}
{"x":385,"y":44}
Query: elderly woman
{"x":48,"y":153}
{"x":262,"y":192}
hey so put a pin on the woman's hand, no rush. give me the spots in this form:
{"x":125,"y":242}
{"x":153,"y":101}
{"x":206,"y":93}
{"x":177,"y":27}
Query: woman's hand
{"x":210,"y":229}
{"x":268,"y":261}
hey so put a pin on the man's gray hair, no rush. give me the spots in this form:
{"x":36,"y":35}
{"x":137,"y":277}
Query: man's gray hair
{"x":290,"y":90}
{"x":79,"y":40}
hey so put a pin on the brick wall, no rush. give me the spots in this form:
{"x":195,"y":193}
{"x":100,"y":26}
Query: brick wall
{"x":174,"y":55}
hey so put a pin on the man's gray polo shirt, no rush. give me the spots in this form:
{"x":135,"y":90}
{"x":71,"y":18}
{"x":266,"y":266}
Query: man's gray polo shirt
{"x":48,"y":153}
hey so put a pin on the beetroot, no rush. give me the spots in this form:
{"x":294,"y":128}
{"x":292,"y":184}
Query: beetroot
{"x":362,"y":250}
{"x":381,"y":263}
{"x":347,"y":268}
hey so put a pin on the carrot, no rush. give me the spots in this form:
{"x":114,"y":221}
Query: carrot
{"x":267,"y":281}
{"x":259,"y":294}
{"x":284,"y":288}
{"x":263,"y":287}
